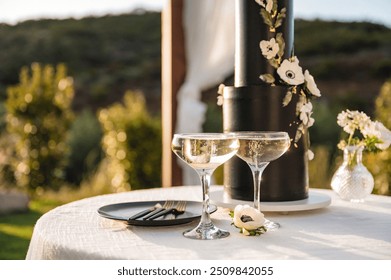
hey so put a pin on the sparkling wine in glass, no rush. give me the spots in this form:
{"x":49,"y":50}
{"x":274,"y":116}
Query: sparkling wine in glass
{"x":258,"y":149}
{"x":204,"y":152}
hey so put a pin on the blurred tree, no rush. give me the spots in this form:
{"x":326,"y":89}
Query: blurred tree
{"x":132,"y":143}
{"x":380,"y":163}
{"x":38,"y":116}
{"x":84,"y":141}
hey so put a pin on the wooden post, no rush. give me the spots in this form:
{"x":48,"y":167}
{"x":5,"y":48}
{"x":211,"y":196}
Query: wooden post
{"x":173,"y":75}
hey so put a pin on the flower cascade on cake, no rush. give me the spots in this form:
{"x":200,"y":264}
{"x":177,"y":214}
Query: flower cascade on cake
{"x":289,"y":71}
{"x":249,"y":220}
{"x":374,"y":135}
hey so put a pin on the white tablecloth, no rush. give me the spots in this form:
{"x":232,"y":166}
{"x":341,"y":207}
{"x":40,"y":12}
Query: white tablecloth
{"x":342,"y":230}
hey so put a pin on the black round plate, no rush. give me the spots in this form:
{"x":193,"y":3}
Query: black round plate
{"x":122,"y":212}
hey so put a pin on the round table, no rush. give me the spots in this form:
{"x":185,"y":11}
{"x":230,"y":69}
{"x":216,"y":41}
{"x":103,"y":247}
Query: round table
{"x":342,"y":230}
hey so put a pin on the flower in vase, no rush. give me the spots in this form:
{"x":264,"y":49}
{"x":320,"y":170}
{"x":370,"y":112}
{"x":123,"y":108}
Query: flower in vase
{"x":291,"y":72}
{"x":249,"y":220}
{"x":269,"y":48}
{"x":353,"y":120}
{"x":372,"y":135}
{"x":311,"y":85}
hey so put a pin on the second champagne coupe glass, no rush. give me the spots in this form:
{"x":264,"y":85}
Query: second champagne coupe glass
{"x":258,"y":149}
{"x":204,"y":152}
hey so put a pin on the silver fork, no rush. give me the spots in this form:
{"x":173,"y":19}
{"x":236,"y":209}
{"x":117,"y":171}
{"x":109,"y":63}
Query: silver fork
{"x":167,"y":205}
{"x":179,"y":209}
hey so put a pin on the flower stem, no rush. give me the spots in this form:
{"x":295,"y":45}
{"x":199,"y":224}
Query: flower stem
{"x":350,"y":137}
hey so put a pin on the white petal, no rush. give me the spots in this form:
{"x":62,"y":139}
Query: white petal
{"x":311,"y":85}
{"x":269,"y":5}
{"x":310,"y":155}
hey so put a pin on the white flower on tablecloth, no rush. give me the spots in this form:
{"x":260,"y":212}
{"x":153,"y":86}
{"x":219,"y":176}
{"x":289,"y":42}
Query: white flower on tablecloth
{"x":249,"y":220}
{"x":311,"y":85}
{"x":291,"y":72}
{"x":269,"y":48}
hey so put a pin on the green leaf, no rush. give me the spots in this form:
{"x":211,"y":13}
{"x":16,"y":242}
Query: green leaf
{"x":267,"y":78}
{"x":267,"y":19}
{"x":370,"y":143}
{"x":280,"y":18}
{"x":274,"y":62}
{"x":281,"y":44}
{"x":282,"y":14}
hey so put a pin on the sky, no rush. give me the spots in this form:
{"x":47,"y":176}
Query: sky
{"x":13,"y":11}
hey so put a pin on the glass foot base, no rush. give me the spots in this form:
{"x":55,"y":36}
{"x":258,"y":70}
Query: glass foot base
{"x":271,"y":226}
{"x":206,"y":232}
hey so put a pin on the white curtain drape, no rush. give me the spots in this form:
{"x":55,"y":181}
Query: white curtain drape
{"x":210,"y":46}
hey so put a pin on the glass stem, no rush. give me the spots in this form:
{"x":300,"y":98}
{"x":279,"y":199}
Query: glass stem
{"x":205,"y":176}
{"x":257,"y":174}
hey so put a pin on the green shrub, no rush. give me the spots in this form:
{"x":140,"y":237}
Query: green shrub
{"x":380,"y":163}
{"x":38,"y":117}
{"x":132,"y":143}
{"x":85,"y":137}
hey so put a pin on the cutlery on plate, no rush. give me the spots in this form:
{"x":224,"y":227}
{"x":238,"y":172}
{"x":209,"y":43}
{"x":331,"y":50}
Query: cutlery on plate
{"x":179,"y":209}
{"x":145,"y":212}
{"x":168,"y":204}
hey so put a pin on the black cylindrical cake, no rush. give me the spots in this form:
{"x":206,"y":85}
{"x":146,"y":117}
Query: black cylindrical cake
{"x":252,"y":105}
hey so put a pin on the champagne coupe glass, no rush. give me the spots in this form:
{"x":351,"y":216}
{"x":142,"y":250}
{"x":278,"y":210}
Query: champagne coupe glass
{"x":258,"y":149}
{"x":204,"y":152}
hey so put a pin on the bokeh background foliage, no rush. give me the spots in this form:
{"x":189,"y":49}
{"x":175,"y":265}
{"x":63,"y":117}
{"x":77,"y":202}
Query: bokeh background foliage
{"x":38,"y":119}
{"x":131,"y":143}
{"x":108,"y":56}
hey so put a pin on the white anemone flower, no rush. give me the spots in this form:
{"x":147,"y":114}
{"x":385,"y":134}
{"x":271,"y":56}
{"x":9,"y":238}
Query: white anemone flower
{"x":290,"y":72}
{"x":311,"y":85}
{"x":248,"y":218}
{"x":269,"y":48}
